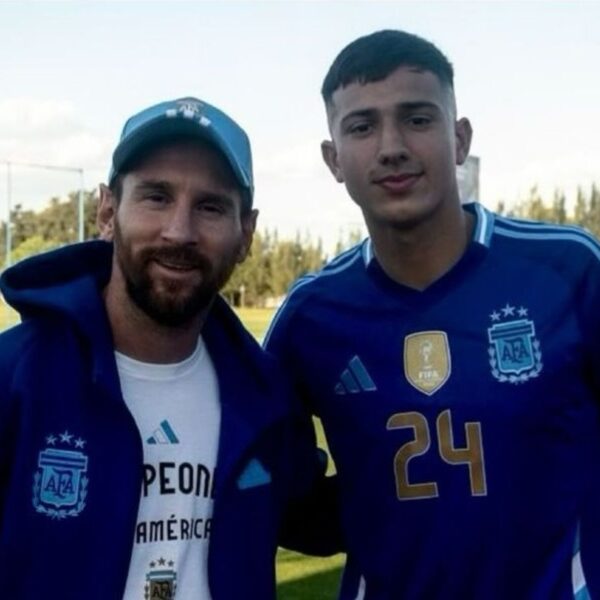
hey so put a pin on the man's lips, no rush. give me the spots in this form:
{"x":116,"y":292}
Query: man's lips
{"x":176,"y":266}
{"x":398,"y":183}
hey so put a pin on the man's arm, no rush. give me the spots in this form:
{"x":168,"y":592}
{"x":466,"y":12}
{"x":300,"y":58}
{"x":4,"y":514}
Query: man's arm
{"x":311,"y":522}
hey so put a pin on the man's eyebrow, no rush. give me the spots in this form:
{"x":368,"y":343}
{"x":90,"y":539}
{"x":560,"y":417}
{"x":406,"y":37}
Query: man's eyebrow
{"x":418,"y":105}
{"x":150,"y":185}
{"x":223,"y":198}
{"x":402,"y":107}
{"x":360,"y":113}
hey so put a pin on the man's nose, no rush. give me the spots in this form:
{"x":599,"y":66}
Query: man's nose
{"x":392,"y":146}
{"x":179,"y":225}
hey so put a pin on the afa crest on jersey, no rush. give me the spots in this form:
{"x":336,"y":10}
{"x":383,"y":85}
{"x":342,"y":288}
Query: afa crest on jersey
{"x":514,"y":351}
{"x":60,"y":484}
{"x":161,"y":581}
{"x":427,"y":363}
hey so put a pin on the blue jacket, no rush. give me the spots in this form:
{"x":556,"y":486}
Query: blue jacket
{"x":58,"y":374}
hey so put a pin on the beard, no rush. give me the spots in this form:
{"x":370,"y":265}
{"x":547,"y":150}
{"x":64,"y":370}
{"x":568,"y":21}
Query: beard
{"x":172,"y":303}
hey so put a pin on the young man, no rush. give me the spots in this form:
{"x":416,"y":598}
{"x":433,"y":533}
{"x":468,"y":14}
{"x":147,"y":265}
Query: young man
{"x":148,"y":445}
{"x":454,"y":357}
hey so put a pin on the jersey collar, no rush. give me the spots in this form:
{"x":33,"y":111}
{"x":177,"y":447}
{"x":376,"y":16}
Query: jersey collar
{"x":482,"y":232}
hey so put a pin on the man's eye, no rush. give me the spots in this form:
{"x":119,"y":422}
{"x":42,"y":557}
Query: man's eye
{"x":360,"y":128}
{"x":157,"y":198}
{"x":419,"y":121}
{"x":211,"y":208}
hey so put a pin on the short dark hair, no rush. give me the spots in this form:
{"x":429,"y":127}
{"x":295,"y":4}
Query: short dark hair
{"x":375,"y":56}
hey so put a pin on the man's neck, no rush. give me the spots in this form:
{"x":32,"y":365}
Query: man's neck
{"x":419,"y":256}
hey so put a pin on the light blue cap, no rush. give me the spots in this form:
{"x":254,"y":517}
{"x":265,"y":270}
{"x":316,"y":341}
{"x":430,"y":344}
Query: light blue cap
{"x":187,"y":117}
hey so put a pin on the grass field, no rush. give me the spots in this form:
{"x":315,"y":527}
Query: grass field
{"x":299,"y":577}
{"x":256,"y":320}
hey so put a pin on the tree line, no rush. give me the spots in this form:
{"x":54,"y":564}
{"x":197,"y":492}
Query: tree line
{"x":585,"y":211}
{"x":274,"y":263}
{"x":266,"y":274}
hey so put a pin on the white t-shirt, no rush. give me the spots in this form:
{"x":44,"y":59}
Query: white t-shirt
{"x":177,"y":411}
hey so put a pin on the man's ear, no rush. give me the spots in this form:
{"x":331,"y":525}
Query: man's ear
{"x":105,"y":214}
{"x":463,"y":135}
{"x":248,"y":229}
{"x":330,"y":157}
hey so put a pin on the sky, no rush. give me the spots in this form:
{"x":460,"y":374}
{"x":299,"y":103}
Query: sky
{"x":71,"y":73}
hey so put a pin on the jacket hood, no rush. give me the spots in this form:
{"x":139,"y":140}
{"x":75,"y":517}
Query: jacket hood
{"x":68,"y":282}
{"x":59,"y":282}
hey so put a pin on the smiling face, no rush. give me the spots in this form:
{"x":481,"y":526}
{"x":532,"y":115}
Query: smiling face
{"x":178,"y":232}
{"x":395,"y":145}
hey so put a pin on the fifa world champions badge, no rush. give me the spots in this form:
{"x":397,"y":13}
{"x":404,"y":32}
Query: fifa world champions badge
{"x":514,"y":352}
{"x":427,"y":363}
{"x":60,"y":484}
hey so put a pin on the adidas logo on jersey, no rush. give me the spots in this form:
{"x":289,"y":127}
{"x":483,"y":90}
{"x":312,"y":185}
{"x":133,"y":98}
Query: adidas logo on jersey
{"x":163,"y":435}
{"x":355,"y":379}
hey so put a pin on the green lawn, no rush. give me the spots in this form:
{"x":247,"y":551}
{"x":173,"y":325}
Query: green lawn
{"x":299,"y":577}
{"x":256,"y":320}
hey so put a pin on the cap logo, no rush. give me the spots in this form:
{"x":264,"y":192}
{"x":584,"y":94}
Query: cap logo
{"x":188,"y":109}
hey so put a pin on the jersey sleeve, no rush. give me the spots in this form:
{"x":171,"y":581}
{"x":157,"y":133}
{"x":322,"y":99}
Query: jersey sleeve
{"x":311,"y":522}
{"x":275,"y":338}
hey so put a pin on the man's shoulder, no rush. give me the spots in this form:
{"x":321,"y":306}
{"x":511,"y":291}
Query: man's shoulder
{"x":16,"y":345}
{"x":546,"y":233}
{"x":15,"y":339}
{"x":342,"y":270}
{"x":16,"y":342}
{"x":313,"y":295}
{"x":551,"y":242}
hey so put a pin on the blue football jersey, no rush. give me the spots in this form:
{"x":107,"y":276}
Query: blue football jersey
{"x":463,"y":419}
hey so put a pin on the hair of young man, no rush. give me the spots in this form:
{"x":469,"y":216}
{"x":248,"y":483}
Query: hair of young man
{"x":116,"y":185}
{"x":375,"y":56}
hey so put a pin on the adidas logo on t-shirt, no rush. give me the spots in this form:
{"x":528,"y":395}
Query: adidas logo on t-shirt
{"x":163,"y":435}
